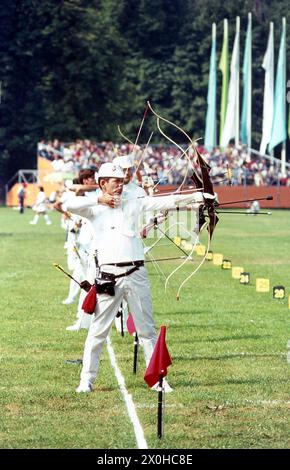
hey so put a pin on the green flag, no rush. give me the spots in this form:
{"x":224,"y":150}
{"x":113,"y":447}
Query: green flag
{"x":268,"y":101}
{"x":288,"y":101}
{"x":210,"y":128}
{"x":224,"y":68}
{"x":231,"y":127}
{"x":279,"y":133}
{"x":247,"y":89}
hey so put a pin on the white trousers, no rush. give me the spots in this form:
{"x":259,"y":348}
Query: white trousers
{"x":135,"y":289}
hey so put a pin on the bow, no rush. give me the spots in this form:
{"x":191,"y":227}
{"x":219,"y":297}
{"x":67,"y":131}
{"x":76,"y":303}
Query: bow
{"x":183,"y":152}
{"x":202,"y":183}
{"x":199,"y":185}
{"x":210,"y":203}
{"x":206,"y":210}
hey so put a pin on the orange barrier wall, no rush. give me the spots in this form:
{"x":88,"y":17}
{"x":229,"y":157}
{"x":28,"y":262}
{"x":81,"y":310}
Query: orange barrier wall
{"x":281,"y":195}
{"x":30,"y":195}
{"x":44,"y":168}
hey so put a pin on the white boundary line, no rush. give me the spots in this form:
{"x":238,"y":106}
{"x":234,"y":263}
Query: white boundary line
{"x":139,"y":434}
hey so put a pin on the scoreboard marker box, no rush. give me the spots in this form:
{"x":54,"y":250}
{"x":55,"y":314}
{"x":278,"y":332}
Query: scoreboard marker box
{"x":236,"y":272}
{"x":262,"y":284}
{"x":226,"y":264}
{"x":209,"y":256}
{"x":245,"y":278}
{"x":279,"y":292}
{"x":217,"y":259}
{"x":200,"y":250}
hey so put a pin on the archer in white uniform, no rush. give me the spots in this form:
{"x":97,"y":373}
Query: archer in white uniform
{"x":40,"y":208}
{"x":130,"y":191}
{"x":121,"y":254}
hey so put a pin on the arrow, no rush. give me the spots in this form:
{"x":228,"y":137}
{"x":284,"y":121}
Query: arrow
{"x":267,"y":198}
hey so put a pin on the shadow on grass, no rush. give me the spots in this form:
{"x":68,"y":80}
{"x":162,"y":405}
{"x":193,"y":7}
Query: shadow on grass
{"x":174,"y":313}
{"x":252,"y":381}
{"x":223,"y":357}
{"x":222,"y":338}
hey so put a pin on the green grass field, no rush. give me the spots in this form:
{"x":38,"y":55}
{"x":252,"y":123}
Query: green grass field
{"x":228,"y":344}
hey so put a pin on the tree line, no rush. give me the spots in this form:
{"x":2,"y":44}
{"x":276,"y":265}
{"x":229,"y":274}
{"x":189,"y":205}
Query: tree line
{"x":79,"y":68}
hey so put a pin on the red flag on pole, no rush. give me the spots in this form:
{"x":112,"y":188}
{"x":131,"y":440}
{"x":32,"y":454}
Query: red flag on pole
{"x":90,"y":301}
{"x":159,"y":361}
{"x":130,"y":325}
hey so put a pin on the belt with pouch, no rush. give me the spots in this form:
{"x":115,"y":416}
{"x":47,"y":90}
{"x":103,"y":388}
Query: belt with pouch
{"x":112,"y":277}
{"x":105,"y":282}
{"x":127,"y":263}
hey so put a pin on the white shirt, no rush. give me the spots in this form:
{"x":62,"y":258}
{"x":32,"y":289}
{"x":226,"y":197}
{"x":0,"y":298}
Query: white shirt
{"x":40,"y":203}
{"x":132,"y":190}
{"x":117,"y":229}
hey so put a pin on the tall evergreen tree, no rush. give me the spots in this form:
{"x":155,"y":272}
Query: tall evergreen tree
{"x":78,"y":68}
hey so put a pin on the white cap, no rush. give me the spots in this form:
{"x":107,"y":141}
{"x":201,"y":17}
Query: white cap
{"x":68,"y":183}
{"x":110,"y":170}
{"x":96,"y":176}
{"x":125,"y":161}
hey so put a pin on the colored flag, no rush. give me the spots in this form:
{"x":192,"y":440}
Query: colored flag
{"x":231,"y":126}
{"x":246,"y":120}
{"x":224,"y":67}
{"x":130,"y":325}
{"x":288,"y":101}
{"x":268,"y":104}
{"x":210,"y":127}
{"x":159,"y":361}
{"x":279,"y":133}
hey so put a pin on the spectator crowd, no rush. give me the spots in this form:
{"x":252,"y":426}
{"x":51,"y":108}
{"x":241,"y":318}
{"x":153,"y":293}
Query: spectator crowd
{"x":165,"y":163}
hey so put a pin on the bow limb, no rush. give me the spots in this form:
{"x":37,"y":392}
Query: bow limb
{"x":183,"y":153}
{"x":209,"y":206}
{"x":140,"y":127}
{"x":171,"y":140}
{"x":189,"y":257}
{"x":195,"y":271}
{"x":139,"y":130}
{"x":172,"y":166}
{"x":124,"y":137}
{"x":170,"y":123}
{"x":144,"y":152}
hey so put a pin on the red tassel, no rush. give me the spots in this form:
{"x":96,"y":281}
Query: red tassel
{"x":90,"y":301}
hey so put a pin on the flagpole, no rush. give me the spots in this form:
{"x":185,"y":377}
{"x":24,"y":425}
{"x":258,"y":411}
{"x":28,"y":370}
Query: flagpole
{"x":122,"y":324}
{"x":272,"y":31}
{"x":210,"y":125}
{"x":223,"y":67}
{"x":250,"y":85}
{"x":237,"y":116}
{"x":268,"y":100}
{"x":278,"y":133}
{"x":232,"y":119}
{"x":215,"y":107}
{"x":283,"y":149}
{"x":136,"y":344}
{"x":246,"y":124}
{"x":160,"y":408}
